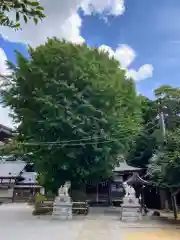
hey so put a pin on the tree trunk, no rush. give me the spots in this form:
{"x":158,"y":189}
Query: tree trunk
{"x":174,"y":205}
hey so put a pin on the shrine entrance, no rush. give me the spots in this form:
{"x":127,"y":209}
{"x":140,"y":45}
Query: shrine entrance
{"x":105,"y":193}
{"x":98,"y":194}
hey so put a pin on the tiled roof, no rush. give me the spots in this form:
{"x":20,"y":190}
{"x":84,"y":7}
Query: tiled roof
{"x":135,"y":179}
{"x":124,"y":167}
{"x":6,"y":130}
{"x":27,"y":186}
{"x":29,"y":178}
{"x":11,"y":168}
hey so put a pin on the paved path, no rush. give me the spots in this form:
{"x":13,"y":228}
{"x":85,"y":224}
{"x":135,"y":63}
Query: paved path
{"x":17,"y":223}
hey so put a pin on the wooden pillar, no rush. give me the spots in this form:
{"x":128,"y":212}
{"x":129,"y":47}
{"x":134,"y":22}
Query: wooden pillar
{"x":97,"y":193}
{"x":163,"y":198}
{"x":109,"y":193}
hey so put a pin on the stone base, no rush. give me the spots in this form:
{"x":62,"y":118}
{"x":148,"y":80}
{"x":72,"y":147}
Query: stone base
{"x":62,"y":210}
{"x":130,"y":213}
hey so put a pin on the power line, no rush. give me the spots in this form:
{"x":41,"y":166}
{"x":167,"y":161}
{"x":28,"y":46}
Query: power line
{"x":84,"y":141}
{"x":69,"y":143}
{"x":79,"y":142}
{"x":151,"y":128}
{"x":64,"y":144}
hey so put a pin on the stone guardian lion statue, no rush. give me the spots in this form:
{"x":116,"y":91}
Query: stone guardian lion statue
{"x":64,"y":190}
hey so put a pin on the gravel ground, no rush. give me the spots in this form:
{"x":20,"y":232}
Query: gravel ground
{"x":17,"y":223}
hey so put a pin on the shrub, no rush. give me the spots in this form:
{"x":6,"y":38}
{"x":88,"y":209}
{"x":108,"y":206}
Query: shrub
{"x":42,"y":211}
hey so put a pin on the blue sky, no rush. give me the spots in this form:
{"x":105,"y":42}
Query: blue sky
{"x":150,"y":28}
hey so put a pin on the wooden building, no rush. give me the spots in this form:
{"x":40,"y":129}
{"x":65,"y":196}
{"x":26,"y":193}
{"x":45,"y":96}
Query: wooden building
{"x":16,"y":184}
{"x":111,"y":192}
{"x":151,"y":195}
{"x":5,"y":133}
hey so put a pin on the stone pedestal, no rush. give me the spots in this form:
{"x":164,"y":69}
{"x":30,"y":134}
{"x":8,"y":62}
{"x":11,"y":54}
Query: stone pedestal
{"x":62,"y":208}
{"x":130,"y":210}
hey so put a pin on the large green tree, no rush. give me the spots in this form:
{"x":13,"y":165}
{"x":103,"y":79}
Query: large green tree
{"x":25,"y":9}
{"x":75,"y":108}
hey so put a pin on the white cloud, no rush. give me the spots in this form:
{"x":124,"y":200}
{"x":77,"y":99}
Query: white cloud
{"x":109,"y":7}
{"x":126,"y":55}
{"x":4,"y":71}
{"x":63,"y":20}
{"x":123,"y":53}
{"x":144,"y":72}
{"x":107,"y":49}
{"x":5,"y":119}
{"x":3,"y":66}
{"x":4,"y":112}
{"x":3,"y":59}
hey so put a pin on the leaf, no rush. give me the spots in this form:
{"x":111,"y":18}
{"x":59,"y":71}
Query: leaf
{"x":36,"y":20}
{"x":21,"y":8}
{"x":25,"y":18}
{"x":17,"y":25}
{"x":40,"y":8}
{"x":34,"y":4}
{"x":17,"y":16}
{"x":5,"y":8}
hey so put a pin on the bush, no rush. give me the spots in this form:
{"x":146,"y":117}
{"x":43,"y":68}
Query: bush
{"x":80,"y":208}
{"x":39,"y":198}
{"x":42,"y":211}
{"x":78,"y":195}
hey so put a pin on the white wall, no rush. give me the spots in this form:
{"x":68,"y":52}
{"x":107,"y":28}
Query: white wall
{"x":6,"y":193}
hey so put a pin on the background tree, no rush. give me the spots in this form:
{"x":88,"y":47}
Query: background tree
{"x":145,"y":142}
{"x":168,"y":99}
{"x":76,"y":111}
{"x":150,"y":139}
{"x":25,"y":9}
{"x":165,"y":166}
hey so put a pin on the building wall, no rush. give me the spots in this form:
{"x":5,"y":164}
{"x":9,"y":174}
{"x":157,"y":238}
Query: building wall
{"x":24,"y":194}
{"x":6,"y":193}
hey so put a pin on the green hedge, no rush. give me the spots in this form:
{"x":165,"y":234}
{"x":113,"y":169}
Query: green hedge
{"x":42,"y":211}
{"x":77,"y":208}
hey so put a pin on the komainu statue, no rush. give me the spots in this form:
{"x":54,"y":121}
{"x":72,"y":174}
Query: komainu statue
{"x":64,"y":190}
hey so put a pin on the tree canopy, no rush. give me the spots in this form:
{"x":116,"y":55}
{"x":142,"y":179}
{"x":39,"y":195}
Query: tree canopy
{"x":25,"y":9}
{"x":165,"y":166}
{"x":149,"y":147}
{"x":144,"y":144}
{"x":75,"y":108}
{"x":168,"y":99}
